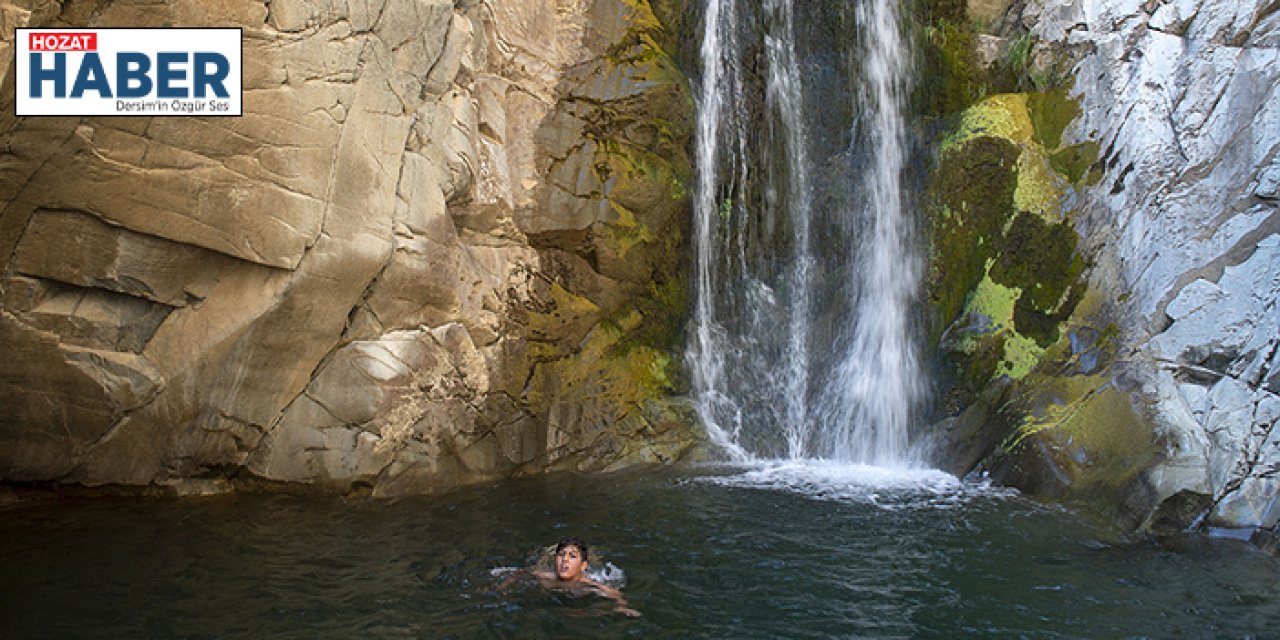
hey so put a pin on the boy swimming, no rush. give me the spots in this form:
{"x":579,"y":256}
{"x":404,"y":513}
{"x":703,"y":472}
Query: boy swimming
{"x":569,"y":574}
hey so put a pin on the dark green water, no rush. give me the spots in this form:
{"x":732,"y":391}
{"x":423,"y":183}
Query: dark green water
{"x":791,"y":552}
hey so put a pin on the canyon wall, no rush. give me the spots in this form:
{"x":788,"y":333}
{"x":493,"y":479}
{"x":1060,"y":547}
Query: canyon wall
{"x":444,"y":244}
{"x":1106,"y":259}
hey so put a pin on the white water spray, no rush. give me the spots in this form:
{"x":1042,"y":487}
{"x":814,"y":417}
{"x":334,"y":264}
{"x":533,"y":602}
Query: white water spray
{"x":868,"y":403}
{"x":707,"y":359}
{"x":769,"y":383}
{"x":783,"y":92}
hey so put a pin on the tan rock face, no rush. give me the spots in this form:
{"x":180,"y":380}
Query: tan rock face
{"x":987,"y":11}
{"x":441,"y":245}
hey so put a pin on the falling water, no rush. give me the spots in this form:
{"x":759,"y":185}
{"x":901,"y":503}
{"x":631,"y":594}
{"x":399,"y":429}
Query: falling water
{"x":801,"y":344}
{"x":867,"y":406}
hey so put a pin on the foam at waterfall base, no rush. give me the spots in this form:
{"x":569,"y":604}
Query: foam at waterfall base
{"x":883,"y":487}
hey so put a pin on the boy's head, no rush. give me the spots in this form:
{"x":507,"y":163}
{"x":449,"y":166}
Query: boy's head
{"x":571,"y":559}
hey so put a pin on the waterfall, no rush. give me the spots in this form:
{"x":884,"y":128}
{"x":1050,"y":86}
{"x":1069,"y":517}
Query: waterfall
{"x":801,"y":343}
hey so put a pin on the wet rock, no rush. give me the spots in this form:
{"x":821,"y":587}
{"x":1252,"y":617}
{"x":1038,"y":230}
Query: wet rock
{"x":1179,"y":512}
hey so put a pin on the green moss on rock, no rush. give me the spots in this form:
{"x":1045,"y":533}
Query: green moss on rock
{"x":1040,"y":259}
{"x":604,"y":336}
{"x":1011,"y":373}
{"x":1088,"y":446}
{"x":952,"y":77}
{"x":1040,"y":189}
{"x":1051,"y":111}
{"x":1075,"y":161}
{"x":1005,"y":272}
{"x":1024,"y":347}
{"x":971,"y":198}
{"x":997,"y":212}
{"x":1002,"y":116}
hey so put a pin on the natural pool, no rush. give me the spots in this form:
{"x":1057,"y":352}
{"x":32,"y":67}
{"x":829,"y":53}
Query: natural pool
{"x":781,"y":550}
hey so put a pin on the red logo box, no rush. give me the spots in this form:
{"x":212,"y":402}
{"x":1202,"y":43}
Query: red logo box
{"x":63,"y":41}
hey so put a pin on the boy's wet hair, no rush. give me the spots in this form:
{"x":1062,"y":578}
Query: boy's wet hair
{"x":572,"y":542}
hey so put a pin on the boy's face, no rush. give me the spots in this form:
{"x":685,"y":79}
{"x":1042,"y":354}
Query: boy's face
{"x":570,"y":563}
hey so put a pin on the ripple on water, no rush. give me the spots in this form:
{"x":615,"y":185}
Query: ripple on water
{"x":770,"y":550}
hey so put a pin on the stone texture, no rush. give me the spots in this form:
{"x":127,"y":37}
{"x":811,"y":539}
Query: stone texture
{"x":1025,"y":351}
{"x":987,"y":11}
{"x":1186,"y":99}
{"x":379,"y":278}
{"x":1179,"y":222}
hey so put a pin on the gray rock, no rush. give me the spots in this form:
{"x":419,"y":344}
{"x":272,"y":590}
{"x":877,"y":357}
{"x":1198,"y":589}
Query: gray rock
{"x":1173,"y":17}
{"x":1184,"y":96}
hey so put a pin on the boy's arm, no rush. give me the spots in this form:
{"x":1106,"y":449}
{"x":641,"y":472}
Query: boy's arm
{"x":620,"y":600}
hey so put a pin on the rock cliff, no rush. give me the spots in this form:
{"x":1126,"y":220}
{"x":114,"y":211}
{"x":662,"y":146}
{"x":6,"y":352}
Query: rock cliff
{"x":1114,"y":335}
{"x":443,"y":244}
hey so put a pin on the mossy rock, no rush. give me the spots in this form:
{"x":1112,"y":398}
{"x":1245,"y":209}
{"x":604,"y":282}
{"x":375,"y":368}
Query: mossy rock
{"x":970,"y":200}
{"x":1090,"y":449}
{"x":1076,"y":162}
{"x":1041,"y":260}
{"x":1004,"y":249}
{"x":595,"y":398}
{"x":951,"y":77}
{"x":1065,"y":431}
{"x":1041,"y":190}
{"x":1006,"y":274}
{"x":1002,"y":116}
{"x":605,"y":333}
{"x":1051,"y":112}
{"x":1024,"y":347}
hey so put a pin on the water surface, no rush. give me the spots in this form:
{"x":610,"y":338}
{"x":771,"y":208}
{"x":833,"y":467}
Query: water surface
{"x":776,"y":550}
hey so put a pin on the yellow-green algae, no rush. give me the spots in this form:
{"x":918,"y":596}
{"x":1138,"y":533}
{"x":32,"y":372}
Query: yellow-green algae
{"x":1097,"y":420}
{"x":993,"y":300}
{"x":643,"y":18}
{"x":1007,"y":116}
{"x":565,"y":310}
{"x":1005,"y":273}
{"x":1074,"y":433}
{"x":970,"y":200}
{"x":1040,"y":189}
{"x":604,"y":339}
{"x":1004,"y":249}
{"x":997,"y":199}
{"x":640,"y":175}
{"x":995,"y":304}
{"x":626,"y":232}
{"x":1088,"y":443}
{"x":1002,"y":116}
{"x":1021,"y":354}
{"x":611,"y":377}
